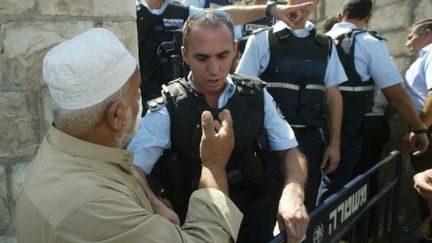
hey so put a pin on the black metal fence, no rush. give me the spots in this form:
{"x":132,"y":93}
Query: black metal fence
{"x":361,"y":211}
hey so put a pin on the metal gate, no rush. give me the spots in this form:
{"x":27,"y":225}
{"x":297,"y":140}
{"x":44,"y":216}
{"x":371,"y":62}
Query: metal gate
{"x":348,"y":214}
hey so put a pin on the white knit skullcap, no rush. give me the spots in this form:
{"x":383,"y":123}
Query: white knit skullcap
{"x":87,"y":69}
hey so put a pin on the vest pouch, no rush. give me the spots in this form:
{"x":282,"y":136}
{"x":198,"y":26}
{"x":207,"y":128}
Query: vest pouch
{"x":357,"y":102}
{"x":254,"y":177}
{"x":312,"y":107}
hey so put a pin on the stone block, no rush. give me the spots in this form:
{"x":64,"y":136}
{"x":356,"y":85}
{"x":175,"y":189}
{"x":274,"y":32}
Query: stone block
{"x":99,"y":8}
{"x":4,"y":211}
{"x":19,"y":129}
{"x":15,"y":7}
{"x":26,"y":43}
{"x":332,"y":7}
{"x":396,"y":42}
{"x":380,"y":3}
{"x":8,"y":239}
{"x":423,"y":10}
{"x":391,"y":17}
{"x":19,"y":172}
{"x":126,"y":32}
{"x":47,"y":109}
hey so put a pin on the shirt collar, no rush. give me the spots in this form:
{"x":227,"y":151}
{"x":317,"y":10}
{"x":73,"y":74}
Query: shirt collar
{"x":154,"y":11}
{"x":309,"y":26}
{"x":81,"y":148}
{"x":424,"y":50}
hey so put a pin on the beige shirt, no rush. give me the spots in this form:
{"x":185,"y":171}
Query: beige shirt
{"x":77,"y":191}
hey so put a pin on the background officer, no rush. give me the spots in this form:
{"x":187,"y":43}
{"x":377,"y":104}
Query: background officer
{"x":302,"y":71}
{"x":367,"y":63}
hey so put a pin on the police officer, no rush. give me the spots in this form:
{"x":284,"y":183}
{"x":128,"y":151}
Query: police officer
{"x":419,"y":84}
{"x":209,"y":48}
{"x":367,"y":63}
{"x":302,"y":71}
{"x":159,"y":24}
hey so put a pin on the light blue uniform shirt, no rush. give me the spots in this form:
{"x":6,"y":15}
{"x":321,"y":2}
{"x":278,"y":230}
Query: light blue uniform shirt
{"x":256,"y":56}
{"x":372,"y":58}
{"x":154,"y":134}
{"x":419,"y":77}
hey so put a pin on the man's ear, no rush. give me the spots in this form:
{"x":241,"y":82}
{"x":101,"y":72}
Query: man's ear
{"x":115,"y":115}
{"x":184,"y":54}
{"x":428,"y":35}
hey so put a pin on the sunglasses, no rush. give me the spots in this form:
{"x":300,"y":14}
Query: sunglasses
{"x":208,"y":14}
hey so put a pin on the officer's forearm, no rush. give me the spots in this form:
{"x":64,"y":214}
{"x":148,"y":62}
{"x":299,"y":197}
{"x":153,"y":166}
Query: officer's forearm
{"x":401,"y":102}
{"x":245,"y":14}
{"x":294,"y":167}
{"x":426,"y":114}
{"x":335,"y":109}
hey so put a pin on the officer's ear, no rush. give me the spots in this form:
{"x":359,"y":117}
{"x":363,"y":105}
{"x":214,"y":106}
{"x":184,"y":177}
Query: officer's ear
{"x":184,"y":52}
{"x":428,"y":35}
{"x":235,"y":46}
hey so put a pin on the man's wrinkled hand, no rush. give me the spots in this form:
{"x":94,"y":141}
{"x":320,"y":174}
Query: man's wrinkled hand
{"x":217,"y":140}
{"x":423,"y":184}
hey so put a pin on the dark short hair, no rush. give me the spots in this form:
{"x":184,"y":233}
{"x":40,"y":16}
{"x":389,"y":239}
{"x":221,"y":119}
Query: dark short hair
{"x":207,"y":17}
{"x":422,"y":25}
{"x":357,"y":9}
{"x":328,"y":23}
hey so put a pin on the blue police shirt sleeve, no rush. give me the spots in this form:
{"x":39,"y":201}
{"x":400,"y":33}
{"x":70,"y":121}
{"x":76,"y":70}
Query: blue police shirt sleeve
{"x":152,"y":138}
{"x":428,"y":68}
{"x":256,"y":55}
{"x":373,"y":58}
{"x":281,"y":135}
{"x":335,"y":73}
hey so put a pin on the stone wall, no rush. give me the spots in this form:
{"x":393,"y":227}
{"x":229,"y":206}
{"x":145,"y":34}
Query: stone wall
{"x":28,"y":29}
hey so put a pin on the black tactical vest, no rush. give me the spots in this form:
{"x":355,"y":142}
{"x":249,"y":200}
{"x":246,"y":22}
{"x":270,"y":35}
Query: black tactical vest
{"x":159,"y":42}
{"x":180,"y":169}
{"x":295,"y":76}
{"x":357,"y":94}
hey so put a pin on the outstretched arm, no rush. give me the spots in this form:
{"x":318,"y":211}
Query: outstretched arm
{"x":286,"y":13}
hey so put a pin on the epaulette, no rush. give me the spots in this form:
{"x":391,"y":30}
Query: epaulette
{"x":260,"y":30}
{"x":156,"y":104}
{"x":376,"y":35}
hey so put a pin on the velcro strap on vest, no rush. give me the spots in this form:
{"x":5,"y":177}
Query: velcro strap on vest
{"x":357,"y":88}
{"x":294,"y":86}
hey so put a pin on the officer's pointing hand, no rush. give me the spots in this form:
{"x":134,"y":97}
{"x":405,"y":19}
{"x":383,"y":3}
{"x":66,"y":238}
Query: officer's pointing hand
{"x":291,"y":13}
{"x":217,"y":141}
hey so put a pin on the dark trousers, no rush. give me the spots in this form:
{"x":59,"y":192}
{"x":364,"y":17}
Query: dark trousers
{"x":312,"y":144}
{"x":351,"y":142}
{"x":376,"y":134}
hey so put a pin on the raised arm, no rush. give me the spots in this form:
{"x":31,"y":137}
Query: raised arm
{"x":286,"y":13}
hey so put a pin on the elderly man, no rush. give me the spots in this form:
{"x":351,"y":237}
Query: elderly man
{"x":173,"y":122}
{"x":82,"y":185}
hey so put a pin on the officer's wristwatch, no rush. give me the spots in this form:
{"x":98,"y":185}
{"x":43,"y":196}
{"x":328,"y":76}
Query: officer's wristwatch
{"x":269,"y":7}
{"x":419,"y":130}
